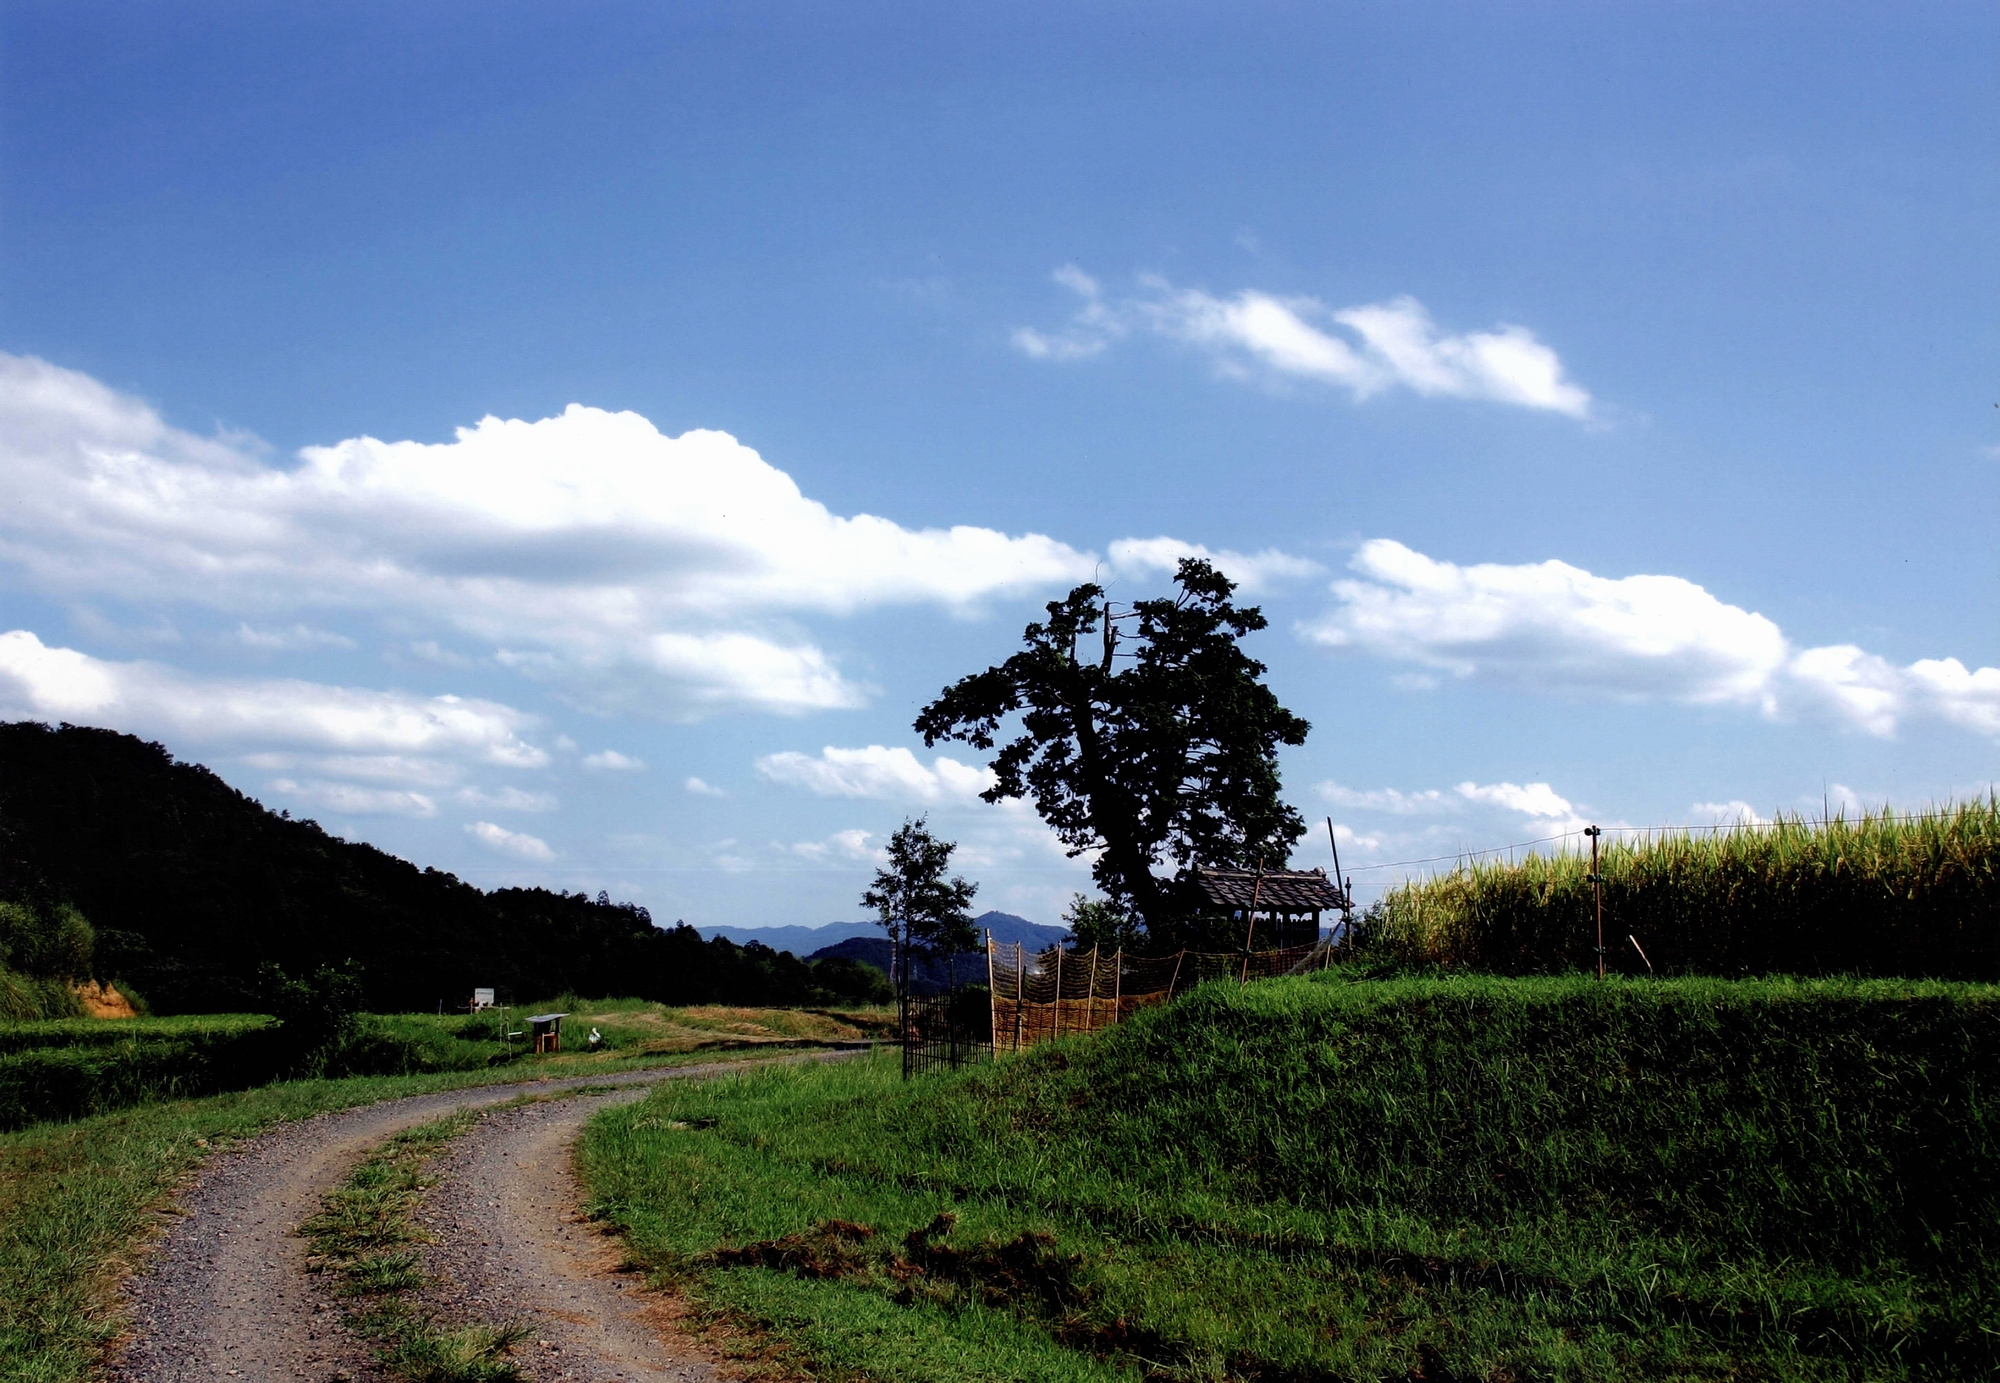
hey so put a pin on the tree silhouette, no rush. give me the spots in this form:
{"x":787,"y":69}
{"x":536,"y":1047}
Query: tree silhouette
{"x":1171,"y":758}
{"x":920,"y":908}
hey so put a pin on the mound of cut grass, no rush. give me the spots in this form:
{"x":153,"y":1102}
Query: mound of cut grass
{"x":1879,"y":895}
{"x":1466,"y":1178}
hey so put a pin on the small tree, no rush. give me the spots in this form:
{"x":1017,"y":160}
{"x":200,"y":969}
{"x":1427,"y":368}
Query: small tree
{"x":920,"y":908}
{"x":1101,"y":923}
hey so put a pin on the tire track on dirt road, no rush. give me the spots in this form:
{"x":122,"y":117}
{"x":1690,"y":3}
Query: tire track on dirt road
{"x":509,"y":1244}
{"x":224,"y":1292}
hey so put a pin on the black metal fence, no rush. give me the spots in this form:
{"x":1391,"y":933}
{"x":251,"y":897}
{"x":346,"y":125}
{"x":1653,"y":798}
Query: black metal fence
{"x":942,"y":1032}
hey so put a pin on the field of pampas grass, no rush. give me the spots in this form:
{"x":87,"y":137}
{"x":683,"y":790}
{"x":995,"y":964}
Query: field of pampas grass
{"x":1885,"y":894}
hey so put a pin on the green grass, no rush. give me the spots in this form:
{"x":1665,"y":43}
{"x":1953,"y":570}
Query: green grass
{"x":77,"y":1198}
{"x":1472,"y":1178}
{"x":1878,"y":895}
{"x":110,"y":1032}
{"x":365,"y":1233}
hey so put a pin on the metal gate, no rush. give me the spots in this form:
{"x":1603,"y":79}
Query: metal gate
{"x":942,"y":1032}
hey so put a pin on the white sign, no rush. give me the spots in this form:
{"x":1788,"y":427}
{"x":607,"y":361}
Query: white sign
{"x":482,"y":998}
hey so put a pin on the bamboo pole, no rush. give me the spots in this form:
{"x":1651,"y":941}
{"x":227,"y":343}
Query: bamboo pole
{"x":993,"y":1000}
{"x":1058,"y":1014}
{"x":1256,"y":893}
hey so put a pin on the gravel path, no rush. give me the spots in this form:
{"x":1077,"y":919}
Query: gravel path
{"x":225,"y":1293}
{"x":511,"y":1245}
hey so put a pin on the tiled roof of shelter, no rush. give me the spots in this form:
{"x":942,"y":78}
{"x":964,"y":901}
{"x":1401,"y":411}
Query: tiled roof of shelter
{"x":1280,"y":890}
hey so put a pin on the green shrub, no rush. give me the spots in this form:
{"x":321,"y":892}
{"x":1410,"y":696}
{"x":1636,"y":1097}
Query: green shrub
{"x":68,"y":1070}
{"x":23,"y":999}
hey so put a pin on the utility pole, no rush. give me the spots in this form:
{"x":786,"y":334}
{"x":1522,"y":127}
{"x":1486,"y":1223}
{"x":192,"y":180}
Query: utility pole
{"x":1346,"y":888}
{"x":1596,"y":880}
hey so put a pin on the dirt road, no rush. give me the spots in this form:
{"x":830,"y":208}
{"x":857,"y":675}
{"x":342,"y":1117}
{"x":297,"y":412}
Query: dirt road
{"x":225,"y":1294}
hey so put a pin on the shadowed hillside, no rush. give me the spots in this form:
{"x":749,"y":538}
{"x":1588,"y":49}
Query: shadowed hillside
{"x":192,"y":887}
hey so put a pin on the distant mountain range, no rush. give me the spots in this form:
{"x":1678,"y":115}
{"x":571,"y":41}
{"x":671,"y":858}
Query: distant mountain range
{"x":807,"y":941}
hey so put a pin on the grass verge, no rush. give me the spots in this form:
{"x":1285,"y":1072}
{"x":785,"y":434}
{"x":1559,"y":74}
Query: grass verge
{"x":1317,"y":1179}
{"x":365,"y":1233}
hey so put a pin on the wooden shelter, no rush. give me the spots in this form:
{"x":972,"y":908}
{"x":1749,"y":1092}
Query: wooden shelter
{"x":547,"y":1030}
{"x":1276,"y":907}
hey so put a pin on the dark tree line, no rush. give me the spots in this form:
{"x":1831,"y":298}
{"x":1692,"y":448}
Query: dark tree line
{"x":193,"y":888}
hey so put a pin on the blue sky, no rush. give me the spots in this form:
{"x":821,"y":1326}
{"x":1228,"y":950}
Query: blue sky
{"x":1598,"y":398}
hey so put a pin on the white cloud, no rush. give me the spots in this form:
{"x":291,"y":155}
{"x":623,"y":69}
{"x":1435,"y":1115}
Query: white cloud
{"x":589,"y":546}
{"x":611,"y":761}
{"x":1427,"y":802}
{"x":1535,"y":799}
{"x":1539,"y":802}
{"x":507,"y":799}
{"x":292,"y":637}
{"x":1094,"y":326}
{"x":886,"y":774}
{"x":1550,"y":626}
{"x":841,"y":845}
{"x":1730,"y":813}
{"x":506,"y":842}
{"x":1948,"y":690}
{"x":1389,"y":344}
{"x":702,"y":789}
{"x":1253,"y":572}
{"x":41,"y":682}
{"x":357,"y":801}
{"x":382,"y":768}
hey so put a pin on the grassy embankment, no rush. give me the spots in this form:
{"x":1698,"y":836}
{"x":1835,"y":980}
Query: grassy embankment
{"x":1457,"y":1178}
{"x":1877,"y":895}
{"x":77,"y":1198}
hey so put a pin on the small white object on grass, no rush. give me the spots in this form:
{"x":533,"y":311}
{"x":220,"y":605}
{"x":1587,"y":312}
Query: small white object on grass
{"x":595,"y":1037}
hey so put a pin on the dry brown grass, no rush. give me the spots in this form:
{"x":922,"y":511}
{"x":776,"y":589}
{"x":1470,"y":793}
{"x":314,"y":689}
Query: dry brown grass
{"x":658,"y":1028}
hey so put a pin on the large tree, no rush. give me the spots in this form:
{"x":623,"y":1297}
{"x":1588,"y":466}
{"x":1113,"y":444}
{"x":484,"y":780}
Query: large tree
{"x":1156,"y":747}
{"x":920,"y":908}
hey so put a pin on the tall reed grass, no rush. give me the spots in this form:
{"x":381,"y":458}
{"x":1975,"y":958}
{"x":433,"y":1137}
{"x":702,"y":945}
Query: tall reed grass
{"x":1879,"y":894}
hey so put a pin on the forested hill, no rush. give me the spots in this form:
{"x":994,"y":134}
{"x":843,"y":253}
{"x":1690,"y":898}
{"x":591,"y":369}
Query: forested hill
{"x":193,"y":886}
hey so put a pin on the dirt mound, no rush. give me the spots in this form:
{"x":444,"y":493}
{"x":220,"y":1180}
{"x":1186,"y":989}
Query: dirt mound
{"x":104,"y":1001}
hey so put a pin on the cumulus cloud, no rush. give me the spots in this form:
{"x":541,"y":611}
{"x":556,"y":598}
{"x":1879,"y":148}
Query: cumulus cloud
{"x":1365,"y":350}
{"x":352,"y":800}
{"x":1550,"y":626}
{"x":584,"y":545}
{"x":849,"y":845}
{"x":1253,"y":572}
{"x":387,"y":768}
{"x":877,"y":772}
{"x":505,"y":842}
{"x":1390,"y":800}
{"x":41,"y":682}
{"x":506,"y":799}
{"x":702,"y":789}
{"x":1731,"y":813}
{"x":290,"y":637}
{"x":1538,"y":802}
{"x":611,"y":761}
